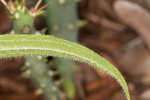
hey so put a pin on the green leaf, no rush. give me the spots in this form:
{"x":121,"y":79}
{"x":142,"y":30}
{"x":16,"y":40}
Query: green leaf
{"x":20,"y":45}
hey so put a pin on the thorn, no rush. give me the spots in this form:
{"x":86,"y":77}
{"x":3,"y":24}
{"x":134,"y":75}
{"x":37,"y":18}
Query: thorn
{"x":37,"y":4}
{"x":43,"y":7}
{"x":37,"y":10}
{"x":4,"y":2}
{"x":11,"y":6}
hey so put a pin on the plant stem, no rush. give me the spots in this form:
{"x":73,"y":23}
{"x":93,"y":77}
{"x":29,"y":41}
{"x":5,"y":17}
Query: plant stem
{"x":62,"y":22}
{"x":37,"y":68}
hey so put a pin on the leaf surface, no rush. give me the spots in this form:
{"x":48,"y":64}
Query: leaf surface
{"x":20,"y":45}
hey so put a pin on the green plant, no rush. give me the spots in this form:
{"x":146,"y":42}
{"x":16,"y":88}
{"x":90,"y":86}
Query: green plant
{"x":32,"y":46}
{"x":62,"y":21}
{"x":20,"y":45}
{"x":36,"y":67}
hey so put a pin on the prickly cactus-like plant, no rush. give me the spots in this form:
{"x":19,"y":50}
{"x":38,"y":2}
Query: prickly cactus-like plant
{"x":32,"y":47}
{"x":62,"y":21}
{"x":35,"y":67}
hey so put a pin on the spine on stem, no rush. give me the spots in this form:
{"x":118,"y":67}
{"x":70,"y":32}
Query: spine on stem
{"x":62,"y":22}
{"x":36,"y":67}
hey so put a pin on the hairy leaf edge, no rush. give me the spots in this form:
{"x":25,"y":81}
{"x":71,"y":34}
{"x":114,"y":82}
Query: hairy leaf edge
{"x":12,"y":45}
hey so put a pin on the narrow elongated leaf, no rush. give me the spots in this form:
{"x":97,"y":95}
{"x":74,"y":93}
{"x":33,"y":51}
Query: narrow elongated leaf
{"x":19,"y":45}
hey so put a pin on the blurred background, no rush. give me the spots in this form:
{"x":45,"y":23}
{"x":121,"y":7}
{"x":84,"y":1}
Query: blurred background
{"x":119,"y":30}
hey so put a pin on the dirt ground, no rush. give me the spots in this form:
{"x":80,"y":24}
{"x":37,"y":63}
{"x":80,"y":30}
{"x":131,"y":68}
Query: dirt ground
{"x":119,"y":30}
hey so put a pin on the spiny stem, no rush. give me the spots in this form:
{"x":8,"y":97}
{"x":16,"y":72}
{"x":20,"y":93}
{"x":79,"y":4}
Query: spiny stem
{"x":62,"y":20}
{"x":37,"y":69}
